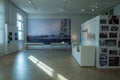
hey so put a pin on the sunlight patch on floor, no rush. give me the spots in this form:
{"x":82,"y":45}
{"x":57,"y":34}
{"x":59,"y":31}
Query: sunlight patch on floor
{"x":49,"y":71}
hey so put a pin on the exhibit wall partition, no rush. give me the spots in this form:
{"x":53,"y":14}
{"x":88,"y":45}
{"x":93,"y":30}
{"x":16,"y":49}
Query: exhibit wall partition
{"x":49,"y":31}
{"x":104,"y":33}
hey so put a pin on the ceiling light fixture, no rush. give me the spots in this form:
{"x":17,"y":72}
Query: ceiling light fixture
{"x":83,"y":10}
{"x":65,"y":4}
{"x":61,"y":10}
{"x":64,"y":7}
{"x":92,"y":9}
{"x":30,"y":1}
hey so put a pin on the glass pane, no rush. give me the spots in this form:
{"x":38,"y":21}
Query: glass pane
{"x":20,"y":25}
{"x":19,"y":17}
{"x":20,"y":35}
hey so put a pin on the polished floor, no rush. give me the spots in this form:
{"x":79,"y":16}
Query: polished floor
{"x":50,"y":64}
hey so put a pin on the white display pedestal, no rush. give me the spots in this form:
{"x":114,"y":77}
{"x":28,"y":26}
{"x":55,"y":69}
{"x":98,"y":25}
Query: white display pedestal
{"x":84,"y":55}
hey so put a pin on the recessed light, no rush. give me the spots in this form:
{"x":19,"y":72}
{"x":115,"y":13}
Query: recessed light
{"x":92,"y":9}
{"x":29,"y":1}
{"x":83,"y":10}
{"x":61,"y":10}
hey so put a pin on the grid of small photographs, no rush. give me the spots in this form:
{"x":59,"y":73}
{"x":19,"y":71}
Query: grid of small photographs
{"x":109,"y":41}
{"x":16,"y":36}
{"x":10,"y":37}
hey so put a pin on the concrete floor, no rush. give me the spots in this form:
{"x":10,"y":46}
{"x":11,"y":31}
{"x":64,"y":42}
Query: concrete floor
{"x":50,"y":65}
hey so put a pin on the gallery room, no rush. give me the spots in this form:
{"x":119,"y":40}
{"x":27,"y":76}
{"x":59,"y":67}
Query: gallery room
{"x":59,"y":39}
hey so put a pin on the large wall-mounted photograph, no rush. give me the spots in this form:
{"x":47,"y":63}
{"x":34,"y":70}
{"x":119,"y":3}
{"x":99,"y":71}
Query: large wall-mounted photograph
{"x":49,"y":31}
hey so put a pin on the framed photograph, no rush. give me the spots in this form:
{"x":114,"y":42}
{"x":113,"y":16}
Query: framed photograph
{"x":119,"y":52}
{"x":113,"y":52}
{"x":102,"y":42}
{"x":103,"y":35}
{"x":103,"y":60}
{"x":119,"y":43}
{"x":103,"y":21}
{"x":16,"y":38}
{"x":10,"y":33}
{"x":113,"y":19}
{"x":10,"y":38}
{"x":103,"y":63}
{"x":114,"y":28}
{"x":104,"y":28}
{"x":113,"y":61}
{"x":103,"y":57}
{"x":16,"y":34}
{"x":104,"y":50}
{"x":110,"y":42}
{"x":113,"y":35}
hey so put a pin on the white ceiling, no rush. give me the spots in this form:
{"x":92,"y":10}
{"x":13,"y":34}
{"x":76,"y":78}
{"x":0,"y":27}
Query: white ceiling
{"x":64,"y":6}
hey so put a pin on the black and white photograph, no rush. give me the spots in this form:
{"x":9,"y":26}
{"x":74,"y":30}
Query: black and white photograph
{"x":103,"y":35}
{"x":104,"y":50}
{"x":113,"y":20}
{"x":104,"y":28}
{"x":113,"y":52}
{"x":113,"y":35}
{"x":103,"y":60}
{"x":119,"y":52}
{"x":102,"y":42}
{"x":103,"y":56}
{"x":103,"y":21}
{"x":119,"y":43}
{"x":16,"y":34}
{"x":103,"y":63}
{"x":113,"y":61}
{"x":110,"y":42}
{"x":10,"y":33}
{"x":114,"y":28}
{"x":16,"y":38}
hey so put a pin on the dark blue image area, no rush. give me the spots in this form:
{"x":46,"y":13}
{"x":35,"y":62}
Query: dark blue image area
{"x":47,"y":41}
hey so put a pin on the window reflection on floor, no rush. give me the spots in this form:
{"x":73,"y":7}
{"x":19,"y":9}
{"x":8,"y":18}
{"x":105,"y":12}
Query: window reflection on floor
{"x":47,"y":69}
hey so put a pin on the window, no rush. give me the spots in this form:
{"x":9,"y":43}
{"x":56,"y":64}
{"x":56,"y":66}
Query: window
{"x":20,"y":25}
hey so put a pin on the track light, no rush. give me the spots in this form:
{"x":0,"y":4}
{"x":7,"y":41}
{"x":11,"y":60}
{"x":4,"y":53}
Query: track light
{"x":92,"y":9}
{"x":30,"y":2}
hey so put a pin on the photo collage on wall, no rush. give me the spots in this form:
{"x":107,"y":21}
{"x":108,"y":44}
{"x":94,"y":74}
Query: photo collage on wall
{"x":11,"y":36}
{"x":109,"y":41}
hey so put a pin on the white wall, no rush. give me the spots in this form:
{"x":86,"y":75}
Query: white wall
{"x":116,"y":9}
{"x":11,"y":17}
{"x":8,"y":12}
{"x":76,"y":21}
{"x":2,"y":22}
{"x":90,"y":32}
